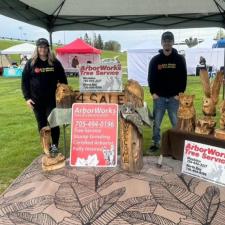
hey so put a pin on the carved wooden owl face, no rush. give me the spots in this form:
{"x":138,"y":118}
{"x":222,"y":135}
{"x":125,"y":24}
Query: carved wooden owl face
{"x":127,"y":108}
{"x":208,"y":107}
{"x":186,"y":101}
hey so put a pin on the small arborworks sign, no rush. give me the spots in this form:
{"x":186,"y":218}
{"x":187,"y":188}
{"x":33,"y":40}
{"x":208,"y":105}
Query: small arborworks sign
{"x":101,"y":78}
{"x":204,"y":161}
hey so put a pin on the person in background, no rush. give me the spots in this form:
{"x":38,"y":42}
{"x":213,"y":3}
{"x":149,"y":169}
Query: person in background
{"x":167,"y":77}
{"x":75,"y":62}
{"x":202,"y":62}
{"x":39,"y":82}
{"x":23,"y":61}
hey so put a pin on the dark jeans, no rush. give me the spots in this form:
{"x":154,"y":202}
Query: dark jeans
{"x":42,"y":112}
{"x":160,"y":105}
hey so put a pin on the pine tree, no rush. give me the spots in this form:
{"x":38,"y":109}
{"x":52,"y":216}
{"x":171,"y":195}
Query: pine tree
{"x":100,"y":42}
{"x":95,"y":41}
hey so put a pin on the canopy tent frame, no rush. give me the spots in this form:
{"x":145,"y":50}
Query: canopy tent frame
{"x":54,"y":22}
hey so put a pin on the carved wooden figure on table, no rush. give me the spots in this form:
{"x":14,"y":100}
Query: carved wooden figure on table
{"x":64,"y":96}
{"x":186,"y":113}
{"x":220,"y":133}
{"x":131,"y":141}
{"x":211,"y":90}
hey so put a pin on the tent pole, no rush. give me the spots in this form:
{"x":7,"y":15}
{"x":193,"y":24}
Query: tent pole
{"x":50,"y":38}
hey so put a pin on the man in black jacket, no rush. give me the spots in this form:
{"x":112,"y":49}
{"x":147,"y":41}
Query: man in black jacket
{"x":167,"y":77}
{"x":39,"y":82}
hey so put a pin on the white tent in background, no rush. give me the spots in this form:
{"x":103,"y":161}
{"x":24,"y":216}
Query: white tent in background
{"x":21,"y":49}
{"x":207,"y":43}
{"x":139,"y":57}
{"x":214,"y":56}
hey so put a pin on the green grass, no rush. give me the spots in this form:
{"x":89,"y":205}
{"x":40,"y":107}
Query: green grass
{"x":19,"y":139}
{"x":105,"y":54}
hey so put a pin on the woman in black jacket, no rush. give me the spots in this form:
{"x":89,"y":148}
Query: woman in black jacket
{"x":39,"y":82}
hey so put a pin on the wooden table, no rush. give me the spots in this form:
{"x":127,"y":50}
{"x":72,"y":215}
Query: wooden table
{"x":173,"y":142}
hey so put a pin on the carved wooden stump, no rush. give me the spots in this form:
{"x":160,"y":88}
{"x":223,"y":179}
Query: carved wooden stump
{"x":131,"y":141}
{"x":45,"y":135}
{"x":205,"y":125}
{"x":49,"y":164}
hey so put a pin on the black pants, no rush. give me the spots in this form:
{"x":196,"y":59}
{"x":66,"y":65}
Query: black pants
{"x":42,"y":112}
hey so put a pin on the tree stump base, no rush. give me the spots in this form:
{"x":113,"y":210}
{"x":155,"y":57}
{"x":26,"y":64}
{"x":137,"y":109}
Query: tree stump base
{"x":49,"y":164}
{"x":219,"y":133}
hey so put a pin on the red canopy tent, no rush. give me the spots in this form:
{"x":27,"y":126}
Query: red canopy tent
{"x":79,"y":47}
{"x":84,"y":52}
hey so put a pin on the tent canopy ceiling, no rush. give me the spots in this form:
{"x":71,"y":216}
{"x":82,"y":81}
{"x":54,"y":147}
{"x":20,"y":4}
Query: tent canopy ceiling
{"x":55,"y":15}
{"x":78,"y":46}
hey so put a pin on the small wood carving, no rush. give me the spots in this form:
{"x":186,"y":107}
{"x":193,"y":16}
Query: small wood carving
{"x":64,"y":96}
{"x":205,"y":125}
{"x":48,"y":162}
{"x":220,"y":133}
{"x":131,"y":141}
{"x":211,"y":92}
{"x":186,"y":113}
{"x":45,"y":135}
{"x":222,"y":117}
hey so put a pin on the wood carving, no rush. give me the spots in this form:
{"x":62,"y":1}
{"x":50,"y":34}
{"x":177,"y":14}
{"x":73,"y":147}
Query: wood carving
{"x":64,"y":96}
{"x":205,"y":125}
{"x":131,"y":140}
{"x":45,"y":135}
{"x":220,"y":133}
{"x":222,"y":117}
{"x":211,"y":92}
{"x":186,"y":113}
{"x":48,"y":162}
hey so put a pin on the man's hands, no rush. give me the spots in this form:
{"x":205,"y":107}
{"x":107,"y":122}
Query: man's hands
{"x":30,"y":103}
{"x":155,"y":96}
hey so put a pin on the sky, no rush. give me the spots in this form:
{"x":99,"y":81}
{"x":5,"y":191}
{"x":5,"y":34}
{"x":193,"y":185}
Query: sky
{"x":127,"y":39}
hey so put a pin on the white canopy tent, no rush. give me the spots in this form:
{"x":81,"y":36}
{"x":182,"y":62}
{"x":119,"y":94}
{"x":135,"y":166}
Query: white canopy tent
{"x":214,"y":57}
{"x":139,"y":57}
{"x":21,"y":49}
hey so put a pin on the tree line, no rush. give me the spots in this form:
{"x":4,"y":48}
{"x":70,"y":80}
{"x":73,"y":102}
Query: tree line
{"x":97,"y":42}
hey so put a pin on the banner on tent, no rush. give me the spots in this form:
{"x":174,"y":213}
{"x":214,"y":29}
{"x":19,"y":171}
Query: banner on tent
{"x":100,"y":77}
{"x":204,"y":161}
{"x":94,"y":135}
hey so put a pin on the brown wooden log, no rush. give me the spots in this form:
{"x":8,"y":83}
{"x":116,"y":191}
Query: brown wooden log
{"x":131,"y":141}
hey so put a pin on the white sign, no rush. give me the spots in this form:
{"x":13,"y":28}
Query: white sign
{"x":101,"y":77}
{"x":204,"y":161}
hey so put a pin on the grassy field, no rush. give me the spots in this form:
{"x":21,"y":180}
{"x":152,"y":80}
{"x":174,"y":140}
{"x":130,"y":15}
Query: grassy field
{"x":19,"y":139}
{"x":105,"y":54}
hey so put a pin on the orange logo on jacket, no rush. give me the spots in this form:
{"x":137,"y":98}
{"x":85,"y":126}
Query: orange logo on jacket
{"x":37,"y":70}
{"x":167,"y":66}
